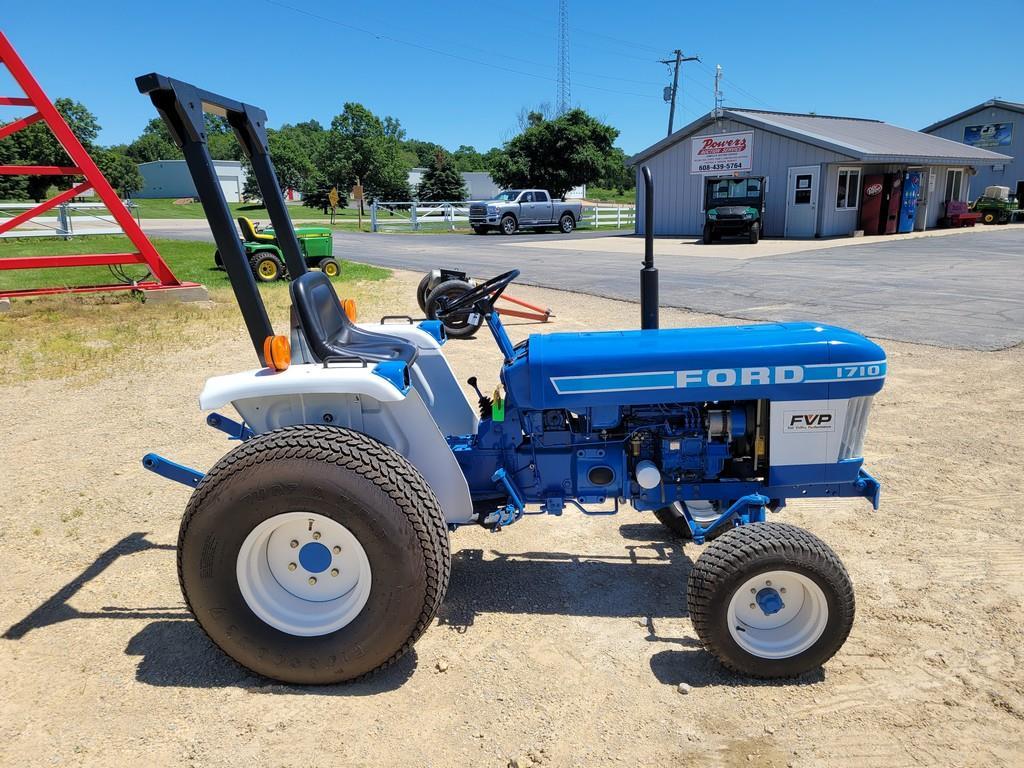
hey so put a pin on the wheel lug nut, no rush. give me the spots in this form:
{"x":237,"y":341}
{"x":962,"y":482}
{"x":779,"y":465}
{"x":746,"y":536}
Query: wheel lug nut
{"x":337,"y":549}
{"x":292,"y":566}
{"x":782,"y":590}
{"x":767,"y":583}
{"x":294,"y":543}
{"x":334,"y":571}
{"x":312,"y":580}
{"x":316,"y":535}
{"x":753,"y":591}
{"x":752,"y":606}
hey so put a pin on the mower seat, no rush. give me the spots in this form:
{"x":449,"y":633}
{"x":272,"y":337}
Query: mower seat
{"x":249,"y":233}
{"x":329,"y":331}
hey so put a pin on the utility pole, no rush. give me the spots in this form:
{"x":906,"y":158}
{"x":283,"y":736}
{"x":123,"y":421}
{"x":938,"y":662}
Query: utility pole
{"x":679,"y":59}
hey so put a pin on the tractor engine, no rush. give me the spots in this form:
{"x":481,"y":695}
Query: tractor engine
{"x":676,"y":444}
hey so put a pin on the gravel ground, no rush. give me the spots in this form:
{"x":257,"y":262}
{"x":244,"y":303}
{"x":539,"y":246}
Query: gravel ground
{"x":563,"y":641}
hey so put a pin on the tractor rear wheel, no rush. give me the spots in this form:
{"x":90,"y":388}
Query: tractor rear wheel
{"x":330,"y":267}
{"x":422,"y":291}
{"x":770,"y":600}
{"x":313,"y":554}
{"x":463,"y":325}
{"x":267,"y":267}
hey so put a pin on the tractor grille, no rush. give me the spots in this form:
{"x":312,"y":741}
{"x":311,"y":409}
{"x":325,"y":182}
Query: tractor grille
{"x":851,"y":446}
{"x":478,"y":211}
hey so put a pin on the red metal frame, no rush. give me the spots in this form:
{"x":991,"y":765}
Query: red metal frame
{"x":539,"y":313}
{"x":85,"y":166}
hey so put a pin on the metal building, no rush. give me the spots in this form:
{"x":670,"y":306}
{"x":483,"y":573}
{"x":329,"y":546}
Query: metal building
{"x":818,"y":170}
{"x":996,"y":125}
{"x":170,"y":178}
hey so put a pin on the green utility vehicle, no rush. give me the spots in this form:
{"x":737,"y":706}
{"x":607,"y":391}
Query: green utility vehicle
{"x":996,"y":206}
{"x":733,"y":205}
{"x":266,"y":259}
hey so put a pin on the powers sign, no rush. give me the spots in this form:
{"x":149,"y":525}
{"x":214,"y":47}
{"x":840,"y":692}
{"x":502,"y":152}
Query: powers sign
{"x":724,"y":153}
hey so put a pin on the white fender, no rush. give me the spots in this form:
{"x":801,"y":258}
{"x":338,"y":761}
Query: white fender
{"x":354,"y":397}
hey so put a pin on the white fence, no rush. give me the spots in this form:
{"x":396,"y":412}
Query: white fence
{"x":71,"y":219}
{"x":414,"y":216}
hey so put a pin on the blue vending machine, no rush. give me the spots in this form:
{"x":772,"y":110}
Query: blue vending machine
{"x":908,"y":208}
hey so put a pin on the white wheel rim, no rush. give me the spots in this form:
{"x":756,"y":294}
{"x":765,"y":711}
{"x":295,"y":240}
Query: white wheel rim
{"x":777,"y":614}
{"x":303,"y":573}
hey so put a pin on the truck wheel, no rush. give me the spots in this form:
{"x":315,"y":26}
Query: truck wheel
{"x":709,"y":234}
{"x":567,"y":223}
{"x":458,"y":326}
{"x":422,"y":290}
{"x":755,"y":233}
{"x":701,"y":511}
{"x":509,"y":225}
{"x":770,"y":600}
{"x":330,"y":267}
{"x":313,"y":555}
{"x":267,"y":267}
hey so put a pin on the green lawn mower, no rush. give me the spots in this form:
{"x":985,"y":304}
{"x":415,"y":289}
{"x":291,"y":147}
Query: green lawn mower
{"x":267,"y":260}
{"x":996,"y":206}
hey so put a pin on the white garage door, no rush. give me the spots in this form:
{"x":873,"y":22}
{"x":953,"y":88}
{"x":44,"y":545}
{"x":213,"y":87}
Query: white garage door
{"x":231,"y":188}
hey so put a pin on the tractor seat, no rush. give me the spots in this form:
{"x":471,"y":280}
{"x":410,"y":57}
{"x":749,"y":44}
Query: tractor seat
{"x":329,"y":331}
{"x":249,"y":233}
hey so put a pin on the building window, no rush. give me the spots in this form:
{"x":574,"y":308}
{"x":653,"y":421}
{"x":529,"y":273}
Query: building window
{"x":954,"y":181}
{"x":848,"y":191}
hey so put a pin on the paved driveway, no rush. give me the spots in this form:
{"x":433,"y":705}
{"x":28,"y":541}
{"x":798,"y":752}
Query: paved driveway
{"x":962,"y":290}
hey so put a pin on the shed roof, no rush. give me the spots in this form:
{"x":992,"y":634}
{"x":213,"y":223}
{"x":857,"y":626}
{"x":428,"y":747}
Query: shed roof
{"x":1013,"y":106}
{"x":870,"y":141}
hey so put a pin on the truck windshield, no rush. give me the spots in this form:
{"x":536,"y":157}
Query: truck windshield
{"x":725,"y":191}
{"x":508,"y":194}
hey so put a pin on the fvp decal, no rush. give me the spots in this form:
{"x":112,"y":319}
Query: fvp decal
{"x":815,"y":421}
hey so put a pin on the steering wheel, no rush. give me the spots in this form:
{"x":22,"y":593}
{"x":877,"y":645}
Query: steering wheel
{"x":486,"y":293}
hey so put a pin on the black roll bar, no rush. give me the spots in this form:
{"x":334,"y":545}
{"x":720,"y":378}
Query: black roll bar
{"x":649,"y":274}
{"x":181,"y":106}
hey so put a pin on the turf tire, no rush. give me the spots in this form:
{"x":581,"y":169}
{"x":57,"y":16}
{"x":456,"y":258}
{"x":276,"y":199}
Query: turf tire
{"x":744,"y":552}
{"x":365,"y":485}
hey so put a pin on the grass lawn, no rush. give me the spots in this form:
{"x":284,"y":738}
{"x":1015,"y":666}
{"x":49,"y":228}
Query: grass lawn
{"x":189,"y":260}
{"x":599,"y":195}
{"x":76,"y":335}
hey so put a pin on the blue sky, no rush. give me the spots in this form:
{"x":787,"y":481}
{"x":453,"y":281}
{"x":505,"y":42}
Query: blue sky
{"x":460,"y":73}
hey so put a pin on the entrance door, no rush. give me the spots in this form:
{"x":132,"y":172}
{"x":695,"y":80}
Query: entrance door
{"x":802,"y":201}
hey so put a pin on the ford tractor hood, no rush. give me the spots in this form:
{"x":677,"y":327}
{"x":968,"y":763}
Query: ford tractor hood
{"x":786,"y":361}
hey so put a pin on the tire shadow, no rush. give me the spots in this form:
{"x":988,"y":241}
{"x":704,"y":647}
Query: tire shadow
{"x":179,"y":654}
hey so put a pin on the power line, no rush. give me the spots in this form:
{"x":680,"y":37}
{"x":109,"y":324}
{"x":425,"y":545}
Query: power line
{"x":448,"y":54}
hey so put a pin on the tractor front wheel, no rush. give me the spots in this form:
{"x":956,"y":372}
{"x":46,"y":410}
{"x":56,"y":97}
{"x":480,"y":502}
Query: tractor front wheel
{"x":267,"y":267}
{"x":330,"y":267}
{"x":770,"y":600}
{"x":313,"y":555}
{"x":988,"y":217}
{"x":462,"y":325}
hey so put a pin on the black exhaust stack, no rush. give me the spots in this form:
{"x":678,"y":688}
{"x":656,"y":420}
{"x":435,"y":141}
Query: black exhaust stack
{"x":648,"y":275}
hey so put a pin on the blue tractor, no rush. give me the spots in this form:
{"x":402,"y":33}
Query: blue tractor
{"x":317,"y":550}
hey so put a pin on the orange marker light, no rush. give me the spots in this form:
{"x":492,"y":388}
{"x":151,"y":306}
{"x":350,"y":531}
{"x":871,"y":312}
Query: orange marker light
{"x":277,"y":352}
{"x":349,"y":305}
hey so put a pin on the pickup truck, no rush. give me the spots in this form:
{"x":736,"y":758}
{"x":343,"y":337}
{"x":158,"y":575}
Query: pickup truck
{"x":514,"y":209}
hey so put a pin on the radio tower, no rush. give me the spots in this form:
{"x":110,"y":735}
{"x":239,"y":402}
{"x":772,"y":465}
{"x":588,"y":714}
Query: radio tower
{"x":563,"y":99}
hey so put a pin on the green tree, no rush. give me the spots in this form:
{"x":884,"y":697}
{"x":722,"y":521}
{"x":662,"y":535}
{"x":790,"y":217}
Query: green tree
{"x":361,"y":145}
{"x":36,"y":145}
{"x":292,"y":149}
{"x":442,"y":180}
{"x":556,"y":154}
{"x":155,"y":143}
{"x":120,"y":170}
{"x":466,"y":158}
{"x":424,"y":151}
{"x":617,"y":175}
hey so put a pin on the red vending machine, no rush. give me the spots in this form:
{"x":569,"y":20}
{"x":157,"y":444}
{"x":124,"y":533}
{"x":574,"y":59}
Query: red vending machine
{"x":871,"y":203}
{"x":892,"y":199}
